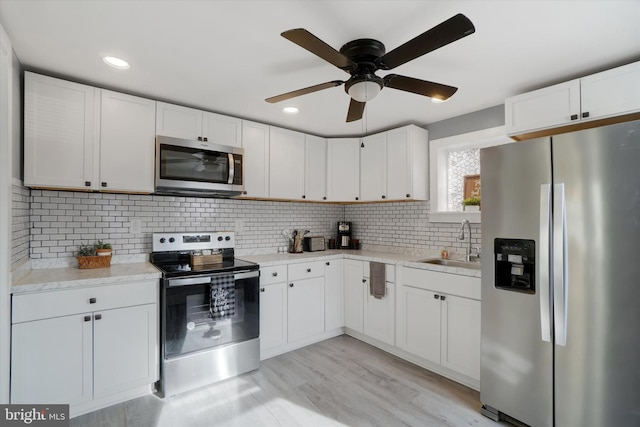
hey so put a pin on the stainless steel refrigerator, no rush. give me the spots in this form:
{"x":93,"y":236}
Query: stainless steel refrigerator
{"x":561,"y":279}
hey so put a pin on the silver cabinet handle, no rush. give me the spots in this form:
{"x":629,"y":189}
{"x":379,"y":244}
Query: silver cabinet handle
{"x":545,"y":248}
{"x":560,"y":285}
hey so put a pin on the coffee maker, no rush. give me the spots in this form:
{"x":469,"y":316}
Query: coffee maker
{"x":344,"y":235}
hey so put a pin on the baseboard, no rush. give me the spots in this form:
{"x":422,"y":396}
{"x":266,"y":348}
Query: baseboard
{"x":96,"y":404}
{"x":285,"y":348}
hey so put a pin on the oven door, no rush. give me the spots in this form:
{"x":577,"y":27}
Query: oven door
{"x":197,"y":165}
{"x":201,"y":313}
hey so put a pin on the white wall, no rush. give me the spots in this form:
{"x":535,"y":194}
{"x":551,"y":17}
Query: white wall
{"x":7,"y":121}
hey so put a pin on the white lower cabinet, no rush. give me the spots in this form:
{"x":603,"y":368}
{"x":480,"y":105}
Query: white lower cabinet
{"x":98,"y":343}
{"x":437,"y":325}
{"x":354,"y":286}
{"x":273,"y":316}
{"x":380,"y":315}
{"x":305,"y":303}
{"x":333,"y":294}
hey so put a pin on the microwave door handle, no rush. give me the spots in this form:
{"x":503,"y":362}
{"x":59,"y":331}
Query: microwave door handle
{"x":231,"y":168}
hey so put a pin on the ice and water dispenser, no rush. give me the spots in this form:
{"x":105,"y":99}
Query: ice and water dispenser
{"x":515,"y":265}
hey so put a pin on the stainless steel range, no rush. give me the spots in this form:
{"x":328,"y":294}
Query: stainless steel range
{"x":210,"y":310}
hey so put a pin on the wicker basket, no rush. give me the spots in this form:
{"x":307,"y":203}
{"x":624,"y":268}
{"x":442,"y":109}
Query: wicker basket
{"x":94,"y":261}
{"x":200,"y":260}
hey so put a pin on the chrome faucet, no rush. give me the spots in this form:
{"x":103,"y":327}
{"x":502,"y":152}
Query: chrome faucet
{"x":461,"y":237}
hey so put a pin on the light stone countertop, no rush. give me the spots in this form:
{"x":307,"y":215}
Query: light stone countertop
{"x":46,"y":279}
{"x":405,"y":259}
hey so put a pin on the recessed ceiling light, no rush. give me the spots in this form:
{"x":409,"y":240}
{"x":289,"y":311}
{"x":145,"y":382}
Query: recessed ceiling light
{"x":114,"y":62}
{"x":290,"y":110}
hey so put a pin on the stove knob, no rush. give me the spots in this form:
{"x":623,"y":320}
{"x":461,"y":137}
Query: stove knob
{"x":162,"y":240}
{"x":227,"y":238}
{"x":219,"y":238}
{"x":171,"y":240}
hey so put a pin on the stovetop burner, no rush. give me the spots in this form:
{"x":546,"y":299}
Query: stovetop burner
{"x":172,"y":253}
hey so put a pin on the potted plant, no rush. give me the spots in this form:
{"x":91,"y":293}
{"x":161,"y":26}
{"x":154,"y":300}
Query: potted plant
{"x":88,"y":256}
{"x":471,"y":204}
{"x":103,"y":249}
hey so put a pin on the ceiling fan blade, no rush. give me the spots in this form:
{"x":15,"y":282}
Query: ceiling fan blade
{"x":442,"y":34}
{"x":356,"y":109}
{"x":420,"y":87}
{"x":313,"y":44}
{"x":304,"y":91}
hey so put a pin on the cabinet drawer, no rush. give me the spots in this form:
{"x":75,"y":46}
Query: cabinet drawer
{"x":306,"y":270}
{"x":275,"y":274}
{"x":44,"y":305}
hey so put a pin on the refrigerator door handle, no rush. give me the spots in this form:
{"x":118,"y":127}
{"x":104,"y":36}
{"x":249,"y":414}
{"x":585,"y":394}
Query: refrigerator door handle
{"x":544,"y":261}
{"x":560,"y":279}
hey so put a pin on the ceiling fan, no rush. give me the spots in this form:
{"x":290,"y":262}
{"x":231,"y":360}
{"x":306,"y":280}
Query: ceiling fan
{"x":363,"y":57}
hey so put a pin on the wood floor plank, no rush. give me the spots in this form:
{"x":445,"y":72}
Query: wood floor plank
{"x":335,"y":383}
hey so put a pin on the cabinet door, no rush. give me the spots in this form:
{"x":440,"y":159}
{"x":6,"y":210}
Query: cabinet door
{"x":380,"y":315}
{"x":305,"y":302}
{"x":343,"y":169}
{"x":51,"y":360}
{"x":611,"y":93}
{"x":354,"y":284}
{"x":315,"y":168}
{"x":127,"y":146}
{"x":255,"y":141}
{"x":333,"y":294}
{"x":220,"y":129}
{"x":407,"y":163}
{"x":419,"y":314}
{"x":286,"y":174}
{"x":461,"y":335}
{"x":177,"y":121}
{"x":373,"y":167}
{"x":544,"y":108}
{"x":59,"y":133}
{"x":273,"y":316}
{"x":125,"y":349}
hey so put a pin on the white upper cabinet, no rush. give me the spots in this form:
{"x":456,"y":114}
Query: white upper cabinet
{"x":190,"y":123}
{"x":407,"y":163}
{"x":343,"y":169}
{"x":286,"y":164}
{"x":373,"y":167}
{"x":127,"y":143}
{"x":60,"y":133}
{"x":255,"y":141}
{"x":548,"y":107}
{"x":576,"y":103}
{"x":315,"y":168}
{"x":79,"y":137}
{"x":611,"y":93}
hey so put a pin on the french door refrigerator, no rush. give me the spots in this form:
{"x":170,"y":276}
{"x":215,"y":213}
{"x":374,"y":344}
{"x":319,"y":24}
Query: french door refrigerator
{"x":561,"y":279}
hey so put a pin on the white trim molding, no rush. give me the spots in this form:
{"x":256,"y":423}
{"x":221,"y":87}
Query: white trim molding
{"x":438,"y":150}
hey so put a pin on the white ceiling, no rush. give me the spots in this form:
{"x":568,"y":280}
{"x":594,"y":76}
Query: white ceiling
{"x":228,"y":56}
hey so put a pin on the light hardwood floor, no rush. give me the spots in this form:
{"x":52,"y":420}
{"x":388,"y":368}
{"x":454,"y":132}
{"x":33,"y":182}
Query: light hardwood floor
{"x":338,"y":382}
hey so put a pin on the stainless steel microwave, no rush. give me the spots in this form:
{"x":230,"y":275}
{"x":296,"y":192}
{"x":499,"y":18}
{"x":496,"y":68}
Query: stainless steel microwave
{"x":198,"y":168}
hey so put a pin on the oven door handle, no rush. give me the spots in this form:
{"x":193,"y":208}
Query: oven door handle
{"x":205,"y":280}
{"x":239,"y":275}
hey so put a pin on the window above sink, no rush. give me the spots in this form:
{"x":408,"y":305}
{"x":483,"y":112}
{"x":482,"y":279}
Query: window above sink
{"x":452,"y":158}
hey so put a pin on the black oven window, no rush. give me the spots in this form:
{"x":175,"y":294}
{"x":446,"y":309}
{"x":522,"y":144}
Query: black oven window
{"x":200,"y":317}
{"x":192,"y":164}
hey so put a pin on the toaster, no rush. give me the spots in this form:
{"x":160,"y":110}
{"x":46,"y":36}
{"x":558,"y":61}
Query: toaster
{"x":313,"y":243}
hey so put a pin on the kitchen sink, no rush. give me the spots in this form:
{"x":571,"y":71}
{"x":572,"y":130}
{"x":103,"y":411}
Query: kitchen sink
{"x":452,"y":263}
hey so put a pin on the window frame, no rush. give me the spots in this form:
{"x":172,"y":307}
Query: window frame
{"x":438,"y":150}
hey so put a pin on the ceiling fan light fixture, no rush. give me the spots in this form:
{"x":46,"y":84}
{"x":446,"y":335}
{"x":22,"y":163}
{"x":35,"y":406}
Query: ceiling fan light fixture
{"x":365,"y":88}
